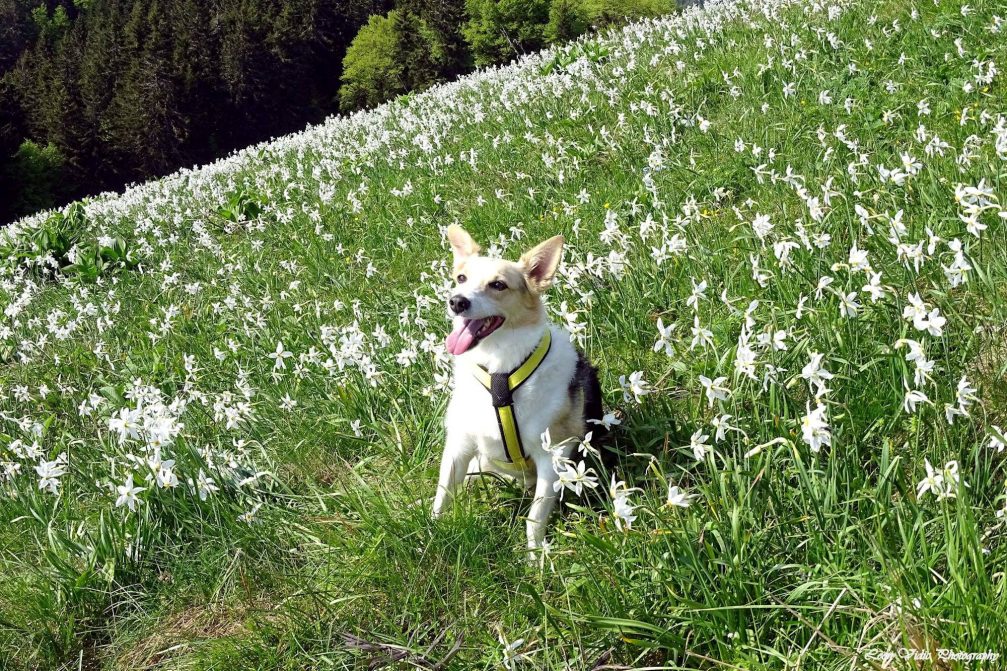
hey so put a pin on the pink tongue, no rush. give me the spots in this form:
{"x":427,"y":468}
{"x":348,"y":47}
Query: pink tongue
{"x":463,"y":337}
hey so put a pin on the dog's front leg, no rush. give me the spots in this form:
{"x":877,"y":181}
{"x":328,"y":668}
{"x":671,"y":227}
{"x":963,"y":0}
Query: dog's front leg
{"x":542,"y":506}
{"x":458,"y":452}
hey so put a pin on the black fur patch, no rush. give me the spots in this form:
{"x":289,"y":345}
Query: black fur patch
{"x":585,"y":380}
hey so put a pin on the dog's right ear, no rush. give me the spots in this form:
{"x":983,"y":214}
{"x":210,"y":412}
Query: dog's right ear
{"x":461,"y":242}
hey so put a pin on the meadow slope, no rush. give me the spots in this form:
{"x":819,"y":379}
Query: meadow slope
{"x":221,"y":392}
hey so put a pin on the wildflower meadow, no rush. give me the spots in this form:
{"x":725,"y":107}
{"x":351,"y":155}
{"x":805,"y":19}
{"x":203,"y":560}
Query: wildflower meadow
{"x":222,"y":393}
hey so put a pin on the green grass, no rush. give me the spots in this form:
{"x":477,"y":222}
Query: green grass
{"x":317,"y":549}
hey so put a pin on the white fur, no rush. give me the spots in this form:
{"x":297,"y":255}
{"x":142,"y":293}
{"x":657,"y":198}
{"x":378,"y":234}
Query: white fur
{"x":541,"y":403}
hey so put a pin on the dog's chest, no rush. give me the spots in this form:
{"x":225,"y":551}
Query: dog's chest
{"x":538,"y":404}
{"x":535,"y":406}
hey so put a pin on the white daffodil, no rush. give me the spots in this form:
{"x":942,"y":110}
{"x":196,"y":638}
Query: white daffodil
{"x":127,"y":494}
{"x":679,"y":498}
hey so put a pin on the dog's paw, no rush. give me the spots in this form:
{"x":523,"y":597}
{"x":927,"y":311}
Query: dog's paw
{"x":536,"y":553}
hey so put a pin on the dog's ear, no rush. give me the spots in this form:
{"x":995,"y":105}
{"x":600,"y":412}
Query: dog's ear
{"x":540,"y":264}
{"x":461,"y":242}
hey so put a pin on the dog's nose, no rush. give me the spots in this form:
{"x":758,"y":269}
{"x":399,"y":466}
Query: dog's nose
{"x":459,"y":304}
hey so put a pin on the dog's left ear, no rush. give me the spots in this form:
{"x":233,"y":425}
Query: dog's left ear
{"x":540,"y":264}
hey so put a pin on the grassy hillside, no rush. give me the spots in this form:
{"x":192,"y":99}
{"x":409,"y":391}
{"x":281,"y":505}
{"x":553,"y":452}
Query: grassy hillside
{"x":221,"y":392}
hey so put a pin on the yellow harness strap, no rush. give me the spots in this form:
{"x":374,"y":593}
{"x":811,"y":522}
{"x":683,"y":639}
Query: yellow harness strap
{"x":501,"y":387}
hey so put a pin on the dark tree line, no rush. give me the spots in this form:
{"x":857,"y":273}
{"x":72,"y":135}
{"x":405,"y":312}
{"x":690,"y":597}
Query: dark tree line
{"x":96,"y":94}
{"x":107,"y":92}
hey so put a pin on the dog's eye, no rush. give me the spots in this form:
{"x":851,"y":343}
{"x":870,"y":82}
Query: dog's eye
{"x":461,"y":279}
{"x":498,"y":285}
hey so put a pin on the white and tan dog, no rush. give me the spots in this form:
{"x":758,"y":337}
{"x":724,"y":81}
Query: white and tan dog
{"x":516,"y":376}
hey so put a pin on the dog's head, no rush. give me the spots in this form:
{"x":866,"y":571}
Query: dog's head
{"x":491,"y":295}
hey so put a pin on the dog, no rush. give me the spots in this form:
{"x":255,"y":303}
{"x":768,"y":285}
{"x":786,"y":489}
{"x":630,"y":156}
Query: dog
{"x":515,"y":376}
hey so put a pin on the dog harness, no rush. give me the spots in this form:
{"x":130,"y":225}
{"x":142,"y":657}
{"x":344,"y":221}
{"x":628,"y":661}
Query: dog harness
{"x":501,"y":387}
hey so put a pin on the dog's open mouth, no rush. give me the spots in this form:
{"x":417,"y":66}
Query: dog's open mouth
{"x":471,"y":332}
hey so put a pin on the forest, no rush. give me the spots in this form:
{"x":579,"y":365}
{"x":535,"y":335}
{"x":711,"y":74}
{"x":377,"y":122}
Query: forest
{"x":99,"y":94}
